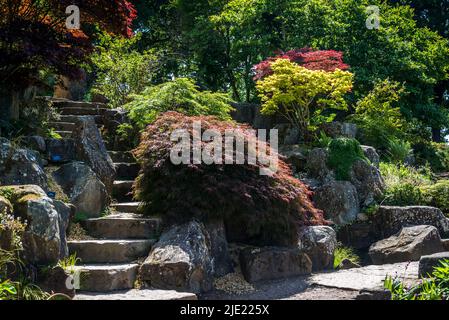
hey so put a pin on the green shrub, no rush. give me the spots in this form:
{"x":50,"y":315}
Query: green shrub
{"x":343,"y":152}
{"x":341,"y":253}
{"x":378,"y":115}
{"x":398,"y":150}
{"x":180,"y":95}
{"x":403,"y":184}
{"x":121,"y":70}
{"x":257,"y":209}
{"x":437,"y":195}
{"x":436,"y":287}
{"x":434,"y":154}
{"x":404,"y":194}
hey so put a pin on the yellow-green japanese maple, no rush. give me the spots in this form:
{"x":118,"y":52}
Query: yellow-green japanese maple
{"x":305,"y":97}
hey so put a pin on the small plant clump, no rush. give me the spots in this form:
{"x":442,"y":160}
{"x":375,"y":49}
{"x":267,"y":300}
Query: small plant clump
{"x":267,"y":208}
{"x":342,"y":253}
{"x":343,"y":152}
{"x":436,"y":287}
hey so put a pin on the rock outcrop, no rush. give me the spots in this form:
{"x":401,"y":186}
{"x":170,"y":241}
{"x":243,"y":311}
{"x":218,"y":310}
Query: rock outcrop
{"x":428,"y":263}
{"x":20,"y":166}
{"x":339,"y":201}
{"x":90,"y":149}
{"x":319,"y":243}
{"x":408,"y":245}
{"x":270,"y":263}
{"x":181,"y":260}
{"x":85,"y":190}
{"x":44,"y":238}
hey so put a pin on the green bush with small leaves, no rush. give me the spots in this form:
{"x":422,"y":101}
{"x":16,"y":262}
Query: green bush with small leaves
{"x":343,"y":152}
{"x":437,"y":195}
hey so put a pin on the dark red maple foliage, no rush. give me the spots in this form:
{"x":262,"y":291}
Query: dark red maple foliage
{"x":263,"y":209}
{"x":33,"y":36}
{"x":327,"y":60}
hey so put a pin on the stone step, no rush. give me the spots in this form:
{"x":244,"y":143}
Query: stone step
{"x":77,"y":104}
{"x":63,"y":126}
{"x":103,"y":278}
{"x":122,"y":156}
{"x":126,"y":171}
{"x":110,"y":251}
{"x":134,"y":294}
{"x":123,"y":226}
{"x":73,"y":119}
{"x":126,"y":207}
{"x":122,"y":190}
{"x":64,"y":134}
{"x":84,"y":111}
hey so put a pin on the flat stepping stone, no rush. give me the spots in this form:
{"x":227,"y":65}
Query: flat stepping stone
{"x":369,"y":277}
{"x":82,"y":111}
{"x":73,"y":119}
{"x":103,"y":278}
{"x":134,"y":294}
{"x":77,"y":104}
{"x":123,"y":226}
{"x":126,"y":207}
{"x":122,"y":190}
{"x":122,"y":156}
{"x":64,"y":134}
{"x":126,"y":171}
{"x":61,"y":125}
{"x":110,"y":251}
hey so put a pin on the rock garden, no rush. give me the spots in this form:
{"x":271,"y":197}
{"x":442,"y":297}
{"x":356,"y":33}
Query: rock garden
{"x":93,"y":205}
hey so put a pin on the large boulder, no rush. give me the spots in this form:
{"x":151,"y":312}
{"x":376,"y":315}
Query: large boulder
{"x":44,"y":238}
{"x":90,"y":149}
{"x":295,"y":155}
{"x":368,"y":181}
{"x":336,"y":129}
{"x":85,"y":190}
{"x":428,"y":263}
{"x":338,"y":200}
{"x":319,"y":243}
{"x":181,"y":260}
{"x":408,"y":245}
{"x":268,"y":263}
{"x":317,"y":165}
{"x":388,"y":220}
{"x":20,"y":166}
{"x":372,"y":155}
{"x":219,"y":251}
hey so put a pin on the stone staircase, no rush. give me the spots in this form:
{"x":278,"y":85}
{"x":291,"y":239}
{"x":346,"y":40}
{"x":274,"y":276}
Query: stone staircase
{"x":110,"y":262}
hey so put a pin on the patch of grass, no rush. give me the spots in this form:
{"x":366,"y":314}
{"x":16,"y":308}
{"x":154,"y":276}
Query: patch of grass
{"x":341,"y":253}
{"x":69,"y":262}
{"x":343,"y":152}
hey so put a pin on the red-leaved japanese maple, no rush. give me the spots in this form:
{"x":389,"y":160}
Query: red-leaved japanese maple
{"x":34,"y":37}
{"x":327,"y":60}
{"x":255,"y":208}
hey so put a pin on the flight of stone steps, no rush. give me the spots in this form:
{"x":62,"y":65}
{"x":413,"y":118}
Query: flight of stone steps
{"x":110,"y":262}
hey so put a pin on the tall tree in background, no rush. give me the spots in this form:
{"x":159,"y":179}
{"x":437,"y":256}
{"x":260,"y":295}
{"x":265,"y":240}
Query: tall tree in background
{"x":34,"y":38}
